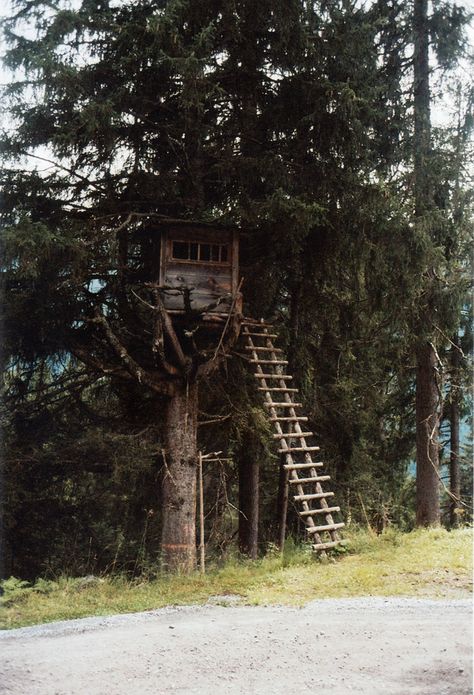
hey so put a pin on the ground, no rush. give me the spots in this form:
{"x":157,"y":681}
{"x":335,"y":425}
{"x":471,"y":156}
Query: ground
{"x":386,"y":646}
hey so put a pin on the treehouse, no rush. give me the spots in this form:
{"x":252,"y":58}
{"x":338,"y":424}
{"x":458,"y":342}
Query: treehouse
{"x":199,"y":263}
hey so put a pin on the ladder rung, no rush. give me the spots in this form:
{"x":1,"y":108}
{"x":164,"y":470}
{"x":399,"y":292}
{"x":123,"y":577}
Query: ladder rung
{"x":290,"y":449}
{"x":321,"y":510}
{"x":278,"y":389}
{"x":261,"y":335}
{"x":259,"y":361}
{"x":331,"y":544}
{"x":329,"y":527}
{"x":302,"y":466}
{"x":272,"y":404}
{"x":285,"y":377}
{"x":262,"y":349}
{"x":293,"y":435}
{"x":313,"y":496}
{"x":291,"y":418}
{"x":316,"y":479}
{"x":261,"y":324}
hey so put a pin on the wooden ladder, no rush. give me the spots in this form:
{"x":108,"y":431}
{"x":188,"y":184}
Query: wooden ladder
{"x":304,"y":476}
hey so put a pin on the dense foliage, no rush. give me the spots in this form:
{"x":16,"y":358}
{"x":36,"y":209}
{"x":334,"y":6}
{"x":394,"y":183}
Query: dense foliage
{"x":291,"y":120}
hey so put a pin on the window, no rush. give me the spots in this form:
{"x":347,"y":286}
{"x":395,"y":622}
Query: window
{"x":193,"y":251}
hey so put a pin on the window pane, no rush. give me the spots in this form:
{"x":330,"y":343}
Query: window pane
{"x":180,"y":250}
{"x":193,"y":255}
{"x":205,"y":252}
{"x":223,"y":254}
{"x":215,"y":252}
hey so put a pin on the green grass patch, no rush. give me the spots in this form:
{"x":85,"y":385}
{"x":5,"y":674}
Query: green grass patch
{"x":431,"y":563}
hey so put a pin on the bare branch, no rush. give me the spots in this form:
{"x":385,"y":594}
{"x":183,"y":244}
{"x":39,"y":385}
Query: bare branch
{"x":134,"y":369}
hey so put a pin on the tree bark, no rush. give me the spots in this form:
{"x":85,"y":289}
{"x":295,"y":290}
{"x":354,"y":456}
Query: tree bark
{"x":178,"y":537}
{"x":427,"y":425}
{"x":422,"y":111}
{"x":454,"y":469}
{"x":282,"y":505}
{"x":427,"y":450}
{"x":249,"y":475}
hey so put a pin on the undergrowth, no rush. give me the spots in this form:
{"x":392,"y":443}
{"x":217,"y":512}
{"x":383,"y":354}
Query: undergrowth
{"x":431,"y":563}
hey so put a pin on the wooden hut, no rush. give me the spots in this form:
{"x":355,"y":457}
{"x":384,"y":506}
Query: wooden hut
{"x":203,"y":259}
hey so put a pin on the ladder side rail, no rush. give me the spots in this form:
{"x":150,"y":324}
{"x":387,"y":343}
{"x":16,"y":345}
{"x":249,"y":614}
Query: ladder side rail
{"x":322,"y":502}
{"x":275,"y":371}
{"x":288,"y":457}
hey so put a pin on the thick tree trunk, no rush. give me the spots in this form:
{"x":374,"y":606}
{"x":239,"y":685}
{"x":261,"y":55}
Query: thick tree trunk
{"x":248,"y":503}
{"x":427,"y":451}
{"x":427,"y":425}
{"x":178,"y":538}
{"x":422,"y":110}
{"x":454,"y":469}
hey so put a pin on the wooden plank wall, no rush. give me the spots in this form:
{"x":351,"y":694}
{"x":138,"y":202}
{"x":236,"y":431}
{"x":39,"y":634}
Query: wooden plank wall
{"x":208,"y":280}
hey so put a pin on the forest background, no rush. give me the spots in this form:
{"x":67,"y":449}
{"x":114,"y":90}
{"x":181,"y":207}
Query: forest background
{"x":294,"y":121}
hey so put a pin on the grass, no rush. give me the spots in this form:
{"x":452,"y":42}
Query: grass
{"x":431,"y":563}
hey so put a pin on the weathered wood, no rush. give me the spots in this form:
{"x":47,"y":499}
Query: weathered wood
{"x":292,"y":435}
{"x":289,"y":418}
{"x":321,"y":510}
{"x":314,"y":479}
{"x":209,"y":280}
{"x":301,"y":466}
{"x":330,"y":544}
{"x":258,"y":348}
{"x":288,"y":439}
{"x":278,"y":389}
{"x":313,"y":496}
{"x":290,"y":449}
{"x":327,"y":527}
{"x":272,"y":404}
{"x":202,"y":546}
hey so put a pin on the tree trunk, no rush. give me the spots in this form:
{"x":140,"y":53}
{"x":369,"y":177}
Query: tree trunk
{"x":248,"y":503}
{"x":178,"y":537}
{"x":282,"y":505}
{"x":454,"y":470}
{"x":422,"y":111}
{"x":427,"y":424}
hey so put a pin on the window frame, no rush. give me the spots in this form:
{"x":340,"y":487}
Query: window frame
{"x":221,"y":245}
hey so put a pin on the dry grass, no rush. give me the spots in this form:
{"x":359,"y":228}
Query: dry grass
{"x":430,"y":563}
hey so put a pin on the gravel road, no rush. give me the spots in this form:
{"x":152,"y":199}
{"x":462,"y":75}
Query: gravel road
{"x":386,"y":646}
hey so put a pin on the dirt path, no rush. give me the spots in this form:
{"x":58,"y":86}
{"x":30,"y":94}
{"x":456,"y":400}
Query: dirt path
{"x":333,"y":647}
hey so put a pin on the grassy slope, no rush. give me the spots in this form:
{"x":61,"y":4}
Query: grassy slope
{"x":430,"y":563}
